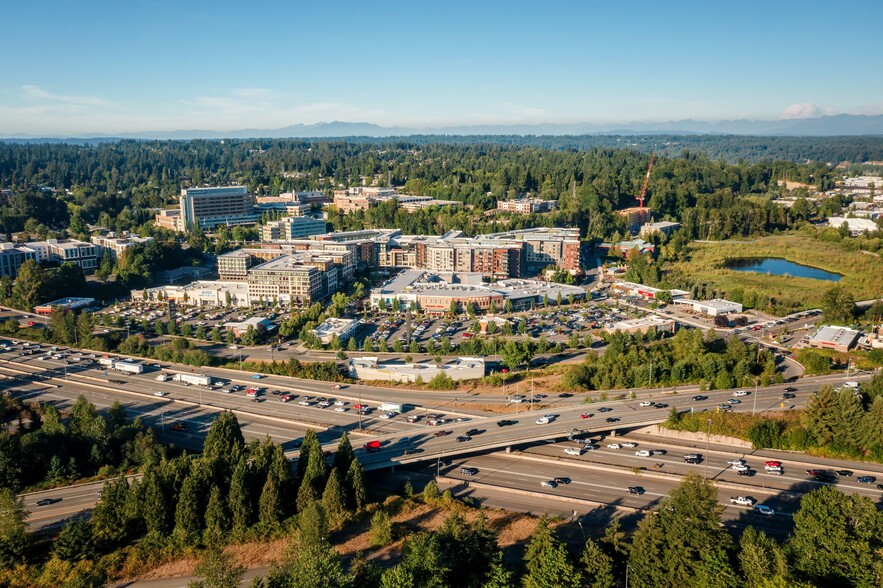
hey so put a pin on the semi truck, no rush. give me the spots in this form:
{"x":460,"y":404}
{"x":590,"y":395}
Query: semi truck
{"x":390,"y":407}
{"x":106,"y":361}
{"x":129,"y":367}
{"x":194,"y":379}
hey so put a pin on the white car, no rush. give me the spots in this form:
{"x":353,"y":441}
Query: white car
{"x":573,"y":451}
{"x":339,"y":403}
{"x":160,"y":394}
{"x":646,"y":403}
{"x":743,"y":500}
{"x":643,"y":453}
{"x":740,"y":393}
{"x":740,"y":467}
{"x":614,"y":446}
{"x":764,"y":510}
{"x":543,"y":421}
{"x":629,"y":445}
{"x":385,"y":415}
{"x":734,"y":462}
{"x":341,"y":409}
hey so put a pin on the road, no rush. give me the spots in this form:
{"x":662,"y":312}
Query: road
{"x":67,"y":502}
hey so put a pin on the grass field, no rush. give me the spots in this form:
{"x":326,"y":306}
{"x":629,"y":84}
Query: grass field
{"x":862,"y":273}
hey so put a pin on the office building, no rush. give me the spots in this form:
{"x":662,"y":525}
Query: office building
{"x":210,"y":207}
{"x":296,"y":227}
{"x":285,"y":280}
{"x":527,"y":205}
{"x":116,"y":245}
{"x":12,"y":257}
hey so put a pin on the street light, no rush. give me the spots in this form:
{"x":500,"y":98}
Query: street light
{"x":754,"y":408}
{"x":707,"y":439}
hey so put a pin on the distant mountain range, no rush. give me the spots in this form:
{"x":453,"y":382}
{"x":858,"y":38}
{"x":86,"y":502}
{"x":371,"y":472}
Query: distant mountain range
{"x":825,"y":126}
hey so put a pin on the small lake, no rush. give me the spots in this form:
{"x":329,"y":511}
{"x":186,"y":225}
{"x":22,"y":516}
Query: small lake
{"x":779,"y":267}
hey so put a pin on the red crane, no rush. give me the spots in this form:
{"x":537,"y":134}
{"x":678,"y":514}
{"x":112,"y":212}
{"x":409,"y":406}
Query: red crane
{"x":646,"y":181}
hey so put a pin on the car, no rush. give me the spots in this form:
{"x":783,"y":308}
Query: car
{"x":692,"y":458}
{"x":605,"y":409}
{"x":787,"y":396}
{"x":160,"y":394}
{"x":843,"y":473}
{"x":738,"y":393}
{"x":745,"y":472}
{"x":506,"y":423}
{"x":412,"y":451}
{"x":737,"y":461}
{"x":573,"y":451}
{"x":775,"y":471}
{"x":814,"y":473}
{"x":629,"y":445}
{"x":724,"y":407}
{"x":383,"y":415}
{"x":549,"y":484}
{"x":866,"y":479}
{"x":660,"y":405}
{"x":612,"y":419}
{"x":468,"y":471}
{"x":463,"y":439}
{"x":643,"y":453}
{"x":879,"y":486}
{"x":658,"y":451}
{"x":790,"y":389}
{"x":562,"y":480}
{"x":48,"y":501}
{"x":772,"y":464}
{"x":442,"y":433}
{"x":700,"y":398}
{"x":824,"y":477}
{"x":646,"y":403}
{"x":340,"y":409}
{"x":764,"y":510}
{"x":614,"y":446}
{"x":590,"y":447}
{"x":734,"y":401}
{"x":565,"y":395}
{"x":473,"y":432}
{"x":179,"y":426}
{"x":636,"y":490}
{"x":543,"y":420}
{"x":586,"y":415}
{"x":335,"y":387}
{"x":739,"y":467}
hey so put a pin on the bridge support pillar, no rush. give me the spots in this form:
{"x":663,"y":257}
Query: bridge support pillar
{"x":508,"y":449}
{"x":392,"y":469}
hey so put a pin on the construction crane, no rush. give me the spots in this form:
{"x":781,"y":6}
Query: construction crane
{"x":646,"y":181}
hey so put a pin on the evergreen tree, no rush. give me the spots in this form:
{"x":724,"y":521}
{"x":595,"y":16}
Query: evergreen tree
{"x":547,"y":561}
{"x":334,"y":499}
{"x":355,"y":481}
{"x":344,"y":456}
{"x":13,"y":529}
{"x":381,"y":529}
{"x":597,"y":567}
{"x":270,"y":506}
{"x":421,"y":565}
{"x":312,"y":524}
{"x":239,"y":498}
{"x":308,"y":565}
{"x":497,"y":575}
{"x":467,"y":549}
{"x":820,"y":415}
{"x":109,"y":516}
{"x":223,"y":444}
{"x":74,"y":543}
{"x":217,"y":519}
{"x":155,"y":511}
{"x":314,"y":477}
{"x":189,"y":512}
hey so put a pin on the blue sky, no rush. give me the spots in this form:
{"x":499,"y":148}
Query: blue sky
{"x":99,"y":66}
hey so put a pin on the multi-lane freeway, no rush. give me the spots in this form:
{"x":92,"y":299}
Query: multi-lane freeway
{"x":464,"y":432}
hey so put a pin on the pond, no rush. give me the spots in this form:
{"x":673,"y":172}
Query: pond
{"x":779,"y":267}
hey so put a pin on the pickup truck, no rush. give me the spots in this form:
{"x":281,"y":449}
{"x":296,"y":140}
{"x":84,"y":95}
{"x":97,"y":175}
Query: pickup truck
{"x":743,"y":500}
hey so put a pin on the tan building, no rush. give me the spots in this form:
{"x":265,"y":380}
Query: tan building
{"x":527,"y":205}
{"x":285,"y":280}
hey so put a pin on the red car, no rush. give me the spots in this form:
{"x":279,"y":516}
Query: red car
{"x":586,"y":415}
{"x":358,"y":406}
{"x":773,"y":464}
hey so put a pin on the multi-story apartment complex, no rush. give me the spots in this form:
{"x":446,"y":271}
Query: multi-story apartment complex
{"x":296,"y":227}
{"x":527,"y":205}
{"x":85,"y":255}
{"x":115,"y":244}
{"x":210,"y":207}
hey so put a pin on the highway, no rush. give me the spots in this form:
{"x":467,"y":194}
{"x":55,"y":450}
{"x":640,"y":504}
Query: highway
{"x":67,"y":502}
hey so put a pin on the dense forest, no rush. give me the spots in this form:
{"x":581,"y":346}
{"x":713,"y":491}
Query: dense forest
{"x":115,"y":185}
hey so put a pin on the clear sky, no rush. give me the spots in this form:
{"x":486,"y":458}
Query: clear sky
{"x":71,"y":67}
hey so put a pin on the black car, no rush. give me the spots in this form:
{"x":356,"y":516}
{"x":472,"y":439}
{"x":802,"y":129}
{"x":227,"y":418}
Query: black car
{"x":463,"y":439}
{"x":565,"y":395}
{"x":612,"y":420}
{"x":866,"y":479}
{"x":412,"y":451}
{"x":605,"y":409}
{"x":790,"y":389}
{"x":745,"y":472}
{"x":468,"y":471}
{"x":787,"y":396}
{"x":562,"y":479}
{"x":843,"y":473}
{"x":660,"y":405}
{"x":636,"y":490}
{"x":473,"y":432}
{"x":506,"y":423}
{"x":700,"y":397}
{"x":48,"y":501}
